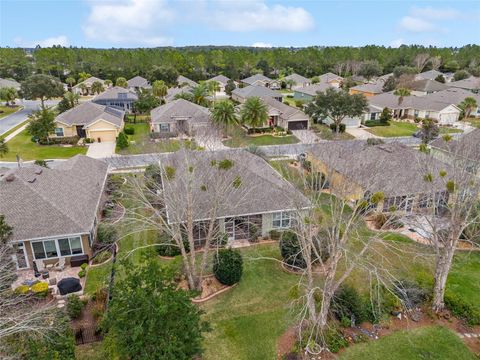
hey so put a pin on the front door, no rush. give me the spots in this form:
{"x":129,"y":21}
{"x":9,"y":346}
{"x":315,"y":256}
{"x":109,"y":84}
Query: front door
{"x":80,"y":131}
{"x":20,"y":255}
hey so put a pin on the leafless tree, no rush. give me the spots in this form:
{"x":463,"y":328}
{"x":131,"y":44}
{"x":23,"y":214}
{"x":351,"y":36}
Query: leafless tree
{"x":340,"y":68}
{"x":420,"y":61}
{"x":435,"y":61}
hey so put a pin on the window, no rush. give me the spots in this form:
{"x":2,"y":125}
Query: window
{"x":373,"y":116}
{"x":50,"y":248}
{"x":58,"y":247}
{"x":58,"y":131}
{"x":164,"y":127}
{"x":70,"y":246}
{"x":282,"y":220}
{"x":38,"y":250}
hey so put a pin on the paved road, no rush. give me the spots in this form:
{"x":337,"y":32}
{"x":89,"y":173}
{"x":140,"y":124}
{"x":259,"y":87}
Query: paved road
{"x":20,"y":116}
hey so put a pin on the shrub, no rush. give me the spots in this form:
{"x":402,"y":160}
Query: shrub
{"x":40,"y":289}
{"x":122,"y":140}
{"x":82,"y":273}
{"x":275,"y":234}
{"x":462,"y":308}
{"x":341,"y":128}
{"x":228,"y":266}
{"x":348,"y":303}
{"x":22,"y":290}
{"x":254,"y":233}
{"x":299,"y":103}
{"x":89,"y":141}
{"x":410,"y":293}
{"x":381,"y":304}
{"x":335,"y":340}
{"x":168,"y":247}
{"x":129,"y":130}
{"x":374,"y":141}
{"x":41,"y":163}
{"x":101,"y":257}
{"x":391,"y":220}
{"x":106,"y":234}
{"x":74,"y":306}
{"x":71,"y":140}
{"x":98,"y":310}
{"x":291,"y":250}
{"x":83,"y":266}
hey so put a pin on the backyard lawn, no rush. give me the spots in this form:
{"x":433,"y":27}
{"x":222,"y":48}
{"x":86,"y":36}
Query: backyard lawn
{"x":449,"y":130}
{"x":28,"y":150}
{"x":7,"y":110}
{"x":432,"y":342}
{"x":474,"y":122}
{"x":239,"y":138}
{"x":395,"y":129}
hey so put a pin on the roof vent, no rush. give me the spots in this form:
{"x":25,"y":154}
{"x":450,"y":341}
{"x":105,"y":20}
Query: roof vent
{"x":10,"y":177}
{"x":32,"y":180}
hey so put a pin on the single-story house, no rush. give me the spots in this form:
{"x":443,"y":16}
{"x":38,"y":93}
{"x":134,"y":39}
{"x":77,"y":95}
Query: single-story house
{"x":332,"y":79}
{"x":117,"y":97}
{"x":472,"y":84}
{"x":222,"y":81}
{"x":241,"y":94}
{"x":184,"y":81}
{"x":77,"y":89}
{"x":137,"y":83}
{"x":179,"y":116}
{"x":54,"y":212}
{"x":262,"y":80}
{"x":456,"y":96}
{"x":426,"y":86}
{"x":307,"y":93}
{"x":90,"y":120}
{"x":356,"y":170}
{"x":285,"y":116}
{"x":432,"y":75}
{"x":174,"y":91}
{"x":242,"y":194}
{"x":368,"y":89}
{"x":9,"y":83}
{"x":299,"y":80}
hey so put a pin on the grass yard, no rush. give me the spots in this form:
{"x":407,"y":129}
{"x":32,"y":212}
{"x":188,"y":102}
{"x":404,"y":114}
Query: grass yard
{"x":324,"y":132}
{"x":28,"y":150}
{"x":449,"y":130}
{"x":7,"y":110}
{"x":239,"y":138}
{"x":433,"y":342}
{"x":473,"y":121}
{"x":395,"y":129}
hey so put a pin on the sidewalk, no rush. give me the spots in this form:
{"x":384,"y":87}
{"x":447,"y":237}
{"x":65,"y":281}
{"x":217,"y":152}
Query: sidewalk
{"x":15,"y":133}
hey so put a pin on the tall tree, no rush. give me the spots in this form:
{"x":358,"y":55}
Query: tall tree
{"x":8,"y":94}
{"x":389,"y":84}
{"x":70,"y":81}
{"x":401,"y":93}
{"x":42,"y":124}
{"x":254,"y":112}
{"x":223,"y":113}
{"x":159,"y":89}
{"x":199,"y":94}
{"x":146,"y":102}
{"x":230,"y":87}
{"x":420,"y":61}
{"x":429,"y":131}
{"x":467,"y":106}
{"x":41,"y":87}
{"x":122,"y":82}
{"x":83,"y":76}
{"x":69,"y":101}
{"x":213,"y":87}
{"x":97,"y":87}
{"x":336,"y":105}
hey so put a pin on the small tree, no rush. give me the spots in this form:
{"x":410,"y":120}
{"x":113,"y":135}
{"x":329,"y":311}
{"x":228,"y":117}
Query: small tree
{"x":146,"y":102}
{"x":8,"y":95}
{"x":83,"y":76}
{"x":108,"y":82}
{"x":430,"y":130}
{"x":42,"y":124}
{"x":69,"y":101}
{"x":467,"y":105}
{"x":223,"y":113}
{"x":41,"y":86}
{"x":97,"y":87}
{"x":122,"y":82}
{"x":440,"y":78}
{"x":228,"y":266}
{"x":230,"y":87}
{"x":70,"y":81}
{"x":389,"y":84}
{"x":254,"y":112}
{"x":155,"y":320}
{"x":5,"y":230}
{"x":385,"y":116}
{"x":159,"y":89}
{"x":401,"y":93}
{"x":122,"y":140}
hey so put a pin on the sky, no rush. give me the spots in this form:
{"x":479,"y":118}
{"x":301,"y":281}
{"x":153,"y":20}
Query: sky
{"x":262,"y":23}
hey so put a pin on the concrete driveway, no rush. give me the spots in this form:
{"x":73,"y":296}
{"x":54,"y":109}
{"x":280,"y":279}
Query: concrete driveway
{"x":101,"y":150}
{"x":360,"y":133}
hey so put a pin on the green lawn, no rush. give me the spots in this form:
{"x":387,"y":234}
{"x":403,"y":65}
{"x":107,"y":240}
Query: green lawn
{"x":449,"y":130}
{"x":423,"y":343}
{"x":239,"y":138}
{"x":395,"y":129}
{"x":28,"y":150}
{"x":7,"y":110}
{"x":474,"y":121}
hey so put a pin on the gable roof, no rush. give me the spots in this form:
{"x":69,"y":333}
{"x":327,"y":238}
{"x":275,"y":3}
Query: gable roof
{"x":428,"y":102}
{"x":222,"y":79}
{"x":284,"y":110}
{"x":259,"y":184}
{"x":117,"y":93}
{"x":172,"y":92}
{"x":184,"y":80}
{"x":139,"y":82}
{"x":394,"y":169}
{"x":41,"y":202}
{"x":314,"y":88}
{"x":428,"y":86}
{"x":9,"y":83}
{"x":374,"y":88}
{"x":257,"y":77}
{"x":87,"y":113}
{"x":428,"y":75}
{"x":472,"y":83}
{"x":327,"y":77}
{"x":256,"y":91}
{"x":467,"y":145}
{"x":299,"y":79}
{"x":180,"y":109}
{"x":88,"y":82}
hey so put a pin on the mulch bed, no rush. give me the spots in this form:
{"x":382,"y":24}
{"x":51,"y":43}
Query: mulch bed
{"x":211,"y":287}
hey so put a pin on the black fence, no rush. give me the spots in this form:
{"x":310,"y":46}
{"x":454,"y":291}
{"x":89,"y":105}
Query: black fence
{"x":87,"y":335}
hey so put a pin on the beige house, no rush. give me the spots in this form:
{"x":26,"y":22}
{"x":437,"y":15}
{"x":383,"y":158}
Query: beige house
{"x":89,"y":120}
{"x":87,"y":84}
{"x":285,"y":116}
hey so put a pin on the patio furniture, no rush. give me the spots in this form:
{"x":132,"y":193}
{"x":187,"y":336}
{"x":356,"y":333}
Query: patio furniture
{"x":69,"y":285}
{"x":37,"y":268}
{"x":60,"y":265}
{"x":45,"y":274}
{"x":78,"y":260}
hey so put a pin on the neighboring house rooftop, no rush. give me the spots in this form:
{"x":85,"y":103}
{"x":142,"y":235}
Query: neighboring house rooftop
{"x":258,"y":183}
{"x":374,"y":88}
{"x":39,"y":202}
{"x":117,"y":93}
{"x":184,"y":80}
{"x":9,"y":83}
{"x":426,"y":102}
{"x":394,"y":169}
{"x":453,"y":95}
{"x":313,"y":89}
{"x":87,"y":113}
{"x":327,"y":77}
{"x":257,"y":77}
{"x":428,"y":75}
{"x":139,"y":82}
{"x":283,"y":110}
{"x":88,"y":82}
{"x":180,"y":109}
{"x":172,"y":92}
{"x":256,"y":90}
{"x":222,"y":79}
{"x":427,"y":85}
{"x":472,"y":83}
{"x":298,"y":79}
{"x":467,"y":145}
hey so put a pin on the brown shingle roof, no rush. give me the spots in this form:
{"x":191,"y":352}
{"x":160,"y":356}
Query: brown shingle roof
{"x":88,"y":113}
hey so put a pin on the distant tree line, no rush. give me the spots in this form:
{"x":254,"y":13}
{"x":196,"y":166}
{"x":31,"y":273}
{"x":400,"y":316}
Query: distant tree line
{"x":200,"y":63}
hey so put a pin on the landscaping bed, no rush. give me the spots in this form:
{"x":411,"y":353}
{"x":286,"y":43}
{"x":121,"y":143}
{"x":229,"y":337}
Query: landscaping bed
{"x":238,"y":137}
{"x":325,"y":133}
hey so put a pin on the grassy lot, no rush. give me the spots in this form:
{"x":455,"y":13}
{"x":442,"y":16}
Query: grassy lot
{"x":396,"y":128}
{"x":423,"y":343}
{"x":28,"y":150}
{"x":91,"y":351}
{"x":324,"y":132}
{"x":7,"y":110}
{"x":473,"y":121}
{"x":449,"y":130}
{"x":239,"y":138}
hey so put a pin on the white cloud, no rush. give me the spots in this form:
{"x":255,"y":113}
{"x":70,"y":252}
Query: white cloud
{"x":262,"y":45}
{"x":256,"y":15}
{"x":397,"y":43}
{"x":414,"y":24}
{"x":61,"y":40}
{"x":129,"y":22}
{"x":434,"y":13}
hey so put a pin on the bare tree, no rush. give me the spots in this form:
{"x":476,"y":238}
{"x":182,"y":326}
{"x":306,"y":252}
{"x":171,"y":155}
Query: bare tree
{"x":436,"y":62}
{"x":420,"y":61}
{"x":340,"y":68}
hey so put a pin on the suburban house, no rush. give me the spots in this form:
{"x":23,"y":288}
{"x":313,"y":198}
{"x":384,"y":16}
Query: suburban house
{"x":355,"y":170}
{"x":54,"y":212}
{"x":9,"y":83}
{"x":456,"y":96}
{"x":330,"y":78}
{"x":90,"y":120}
{"x":299,"y":81}
{"x":137,"y":83}
{"x":174,"y":91}
{"x":285,"y":116}
{"x":472,"y":84}
{"x":249,"y":196}
{"x":184,"y":81}
{"x":222,"y":81}
{"x":117,"y":97}
{"x":262,"y":80}
{"x":426,"y":86}
{"x":368,"y":89}
{"x":411,"y":107}
{"x":77,"y":89}
{"x":241,"y":94}
{"x":307,"y":93}
{"x":179,"y":117}
{"x":432,"y":75}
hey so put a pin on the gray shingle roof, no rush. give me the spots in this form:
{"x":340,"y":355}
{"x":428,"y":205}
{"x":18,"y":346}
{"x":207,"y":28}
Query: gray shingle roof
{"x":299,"y":79}
{"x":184,"y":80}
{"x":428,"y":75}
{"x":284,"y":110}
{"x":139,"y":82}
{"x":428,"y":102}
{"x":88,"y":82}
{"x":257,"y":77}
{"x":262,"y":189}
{"x":472,"y":83}
{"x":42,"y":202}
{"x":327,"y":77}
{"x":393,"y":168}
{"x":180,"y":109}
{"x":375,"y":88}
{"x":428,"y":85}
{"x":467,"y":145}
{"x":172,"y":92}
{"x":9,"y":83}
{"x":222,"y":79}
{"x":256,"y":91}
{"x":88,"y":113}
{"x":117,"y":93}
{"x":313,"y":89}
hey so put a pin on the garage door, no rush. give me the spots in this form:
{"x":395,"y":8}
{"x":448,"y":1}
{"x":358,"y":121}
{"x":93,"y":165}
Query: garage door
{"x":104,"y":136}
{"x":297,"y":125}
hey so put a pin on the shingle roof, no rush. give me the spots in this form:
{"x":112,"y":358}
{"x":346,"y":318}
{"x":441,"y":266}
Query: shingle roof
{"x":393,"y":168}
{"x":222,"y":79}
{"x":472,"y":83}
{"x":88,"y":112}
{"x":7,"y":83}
{"x":375,"y":88}
{"x":256,"y":90}
{"x":427,"y":102}
{"x":139,"y":82}
{"x":299,"y":79}
{"x":88,"y":82}
{"x":117,"y":93}
{"x":184,"y":80}
{"x":42,"y":202}
{"x":313,"y":89}
{"x":284,"y":110}
{"x":467,"y":145}
{"x":180,"y":109}
{"x":257,"y":77}
{"x":327,"y":77}
{"x":259,"y":185}
{"x":172,"y":92}
{"x":428,"y":75}
{"x":428,"y":85}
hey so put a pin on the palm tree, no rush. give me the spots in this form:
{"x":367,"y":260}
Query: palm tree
{"x":70,"y":81}
{"x":290,"y":83}
{"x":213,"y":86}
{"x":122,"y":82}
{"x":71,"y":98}
{"x":401,"y":93}
{"x":108,"y":82}
{"x":254,"y":112}
{"x":467,"y":105}
{"x":223,"y":114}
{"x":83,"y":76}
{"x":83,"y":88}
{"x":199,"y":95}
{"x":159,"y":89}
{"x":3,"y":148}
{"x":97,"y":87}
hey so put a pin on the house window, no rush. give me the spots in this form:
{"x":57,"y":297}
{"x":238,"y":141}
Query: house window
{"x":47,"y":249}
{"x":282,"y":220}
{"x":59,"y":131}
{"x":164,"y":127}
{"x":70,"y":246}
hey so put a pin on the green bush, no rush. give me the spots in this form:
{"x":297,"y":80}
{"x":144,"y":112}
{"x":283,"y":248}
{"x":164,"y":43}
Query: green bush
{"x":335,"y":340}
{"x":22,"y":290}
{"x":122,"y":140}
{"x":101,"y":257}
{"x":167,"y":246}
{"x":89,"y":141}
{"x":129,"y":130}
{"x":74,"y":306}
{"x":106,"y":234}
{"x":83,"y":266}
{"x":228,"y":266}
{"x":347,"y":302}
{"x":275,"y":234}
{"x":291,"y":250}
{"x":341,"y":128}
{"x":40,"y":289}
{"x":82,"y":273}
{"x":462,"y":308}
